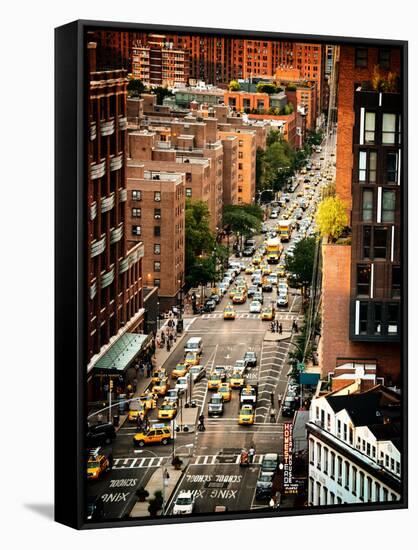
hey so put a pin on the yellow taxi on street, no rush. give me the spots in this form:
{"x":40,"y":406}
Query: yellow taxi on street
{"x":192,"y":358}
{"x":225,"y":391}
{"x":97,"y":465}
{"x":167,"y":410}
{"x":214,"y":381}
{"x":246,"y":415}
{"x":256,"y":260}
{"x":155,"y":434}
{"x":249,"y":270}
{"x":179,"y":370}
{"x":236,"y":380}
{"x":281,"y":271}
{"x":148,"y":399}
{"x":267,"y":314}
{"x":136,"y":408}
{"x":239,"y":298}
{"x":161,"y":387}
{"x":157,"y":374}
{"x":229,"y":312}
{"x":232,"y":292}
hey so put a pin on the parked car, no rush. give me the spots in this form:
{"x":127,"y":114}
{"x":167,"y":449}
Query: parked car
{"x":270,"y":462}
{"x":100,"y":434}
{"x":289,"y":406}
{"x":209,"y":306}
{"x":264,"y":485}
{"x":248,"y":251}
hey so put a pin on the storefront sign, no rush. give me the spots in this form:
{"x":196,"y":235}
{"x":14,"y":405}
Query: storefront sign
{"x":290,"y":487}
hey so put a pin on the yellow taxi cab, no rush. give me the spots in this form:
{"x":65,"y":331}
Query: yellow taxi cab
{"x":157,"y":433}
{"x":161,"y":387}
{"x":249,"y":270}
{"x":239,"y":298}
{"x":256,"y":260}
{"x":97,"y":465}
{"x":179,"y":370}
{"x":281,"y":271}
{"x":214,"y":381}
{"x":135,"y":409}
{"x":285,"y":215}
{"x":225,"y":391}
{"x":157,"y":374}
{"x":229,"y":312}
{"x":192,"y":358}
{"x":299,"y":194}
{"x":167,"y":410}
{"x":232,"y":292}
{"x":236,"y":380}
{"x":266,"y":270}
{"x":148,"y":399}
{"x":267,"y":314}
{"x":215,"y":290}
{"x":246,"y":415}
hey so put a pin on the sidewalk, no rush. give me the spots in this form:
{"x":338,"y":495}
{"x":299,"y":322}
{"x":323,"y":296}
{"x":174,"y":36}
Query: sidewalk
{"x":275,"y":336}
{"x":155,"y":483}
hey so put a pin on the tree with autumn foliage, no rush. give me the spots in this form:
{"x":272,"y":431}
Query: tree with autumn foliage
{"x":331,"y":218}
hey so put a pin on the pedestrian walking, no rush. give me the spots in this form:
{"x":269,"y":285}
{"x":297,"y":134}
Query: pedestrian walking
{"x":168,"y":345}
{"x":272,"y":414}
{"x":293,"y":325}
{"x":202,"y":423}
{"x":149,"y":367}
{"x":175,"y":336}
{"x":171,"y":338}
{"x":277,"y":325}
{"x":272,"y":398}
{"x":280,"y":328}
{"x":296,"y":327}
{"x":110,"y":459}
{"x":251,"y":453}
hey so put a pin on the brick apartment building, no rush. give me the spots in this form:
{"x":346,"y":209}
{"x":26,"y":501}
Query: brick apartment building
{"x":158,"y":63}
{"x":246,"y":163}
{"x":362,"y":282}
{"x":114,"y":276}
{"x":230,"y":170}
{"x":155,"y":216}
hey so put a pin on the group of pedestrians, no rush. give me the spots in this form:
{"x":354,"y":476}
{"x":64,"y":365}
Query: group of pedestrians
{"x":275,"y":326}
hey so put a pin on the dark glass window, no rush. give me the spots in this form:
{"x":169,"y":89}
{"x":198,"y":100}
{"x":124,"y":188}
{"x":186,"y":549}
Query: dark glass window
{"x":377,"y":318}
{"x":380,"y":239}
{"x":157,"y":266}
{"x":157,"y":213}
{"x":157,"y":248}
{"x":363,"y":280}
{"x":136,"y":230}
{"x":157,"y":282}
{"x":391,"y":167}
{"x":157,"y":231}
{"x":393,"y":319}
{"x":367,"y":212}
{"x":363,"y":318}
{"x":367,"y":164}
{"x":384,"y":58}
{"x":388,"y":205}
{"x":361,"y":57}
{"x":136,"y":212}
{"x":396,"y":281}
{"x":136,"y":195}
{"x":188,"y":192}
{"x":367,"y":240}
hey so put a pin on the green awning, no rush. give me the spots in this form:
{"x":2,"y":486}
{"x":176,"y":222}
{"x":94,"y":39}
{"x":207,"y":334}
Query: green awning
{"x":119,"y":356}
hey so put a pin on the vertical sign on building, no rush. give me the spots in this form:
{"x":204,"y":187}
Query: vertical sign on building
{"x":290,"y":488}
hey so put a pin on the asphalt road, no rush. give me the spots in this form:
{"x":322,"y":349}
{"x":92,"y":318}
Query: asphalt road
{"x":214,"y":473}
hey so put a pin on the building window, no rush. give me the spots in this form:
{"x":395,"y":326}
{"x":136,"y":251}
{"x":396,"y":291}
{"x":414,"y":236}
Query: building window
{"x":240,"y":143}
{"x":328,"y":422}
{"x":361,"y":485}
{"x":136,"y":195}
{"x":157,"y":282}
{"x":363,"y":287}
{"x":318,"y":493}
{"x":398,"y":468}
{"x":240,"y":154}
{"x":369,"y":127}
{"x":157,"y":196}
{"x":363,"y":318}
{"x":396,"y":281}
{"x":367,"y":210}
{"x":157,"y":248}
{"x":346,"y":475}
{"x":136,"y":230}
{"x":345,"y":431}
{"x":369,"y":489}
{"x":338,"y":428}
{"x":392,"y":464}
{"x":351,"y":435}
{"x":311,"y":452}
{"x":393,"y":318}
{"x":188,"y":192}
{"x":332,"y":465}
{"x":354,"y":481}
{"x":367,"y":240}
{"x":388,"y":129}
{"x":380,"y":239}
{"x":157,"y":266}
{"x":384,"y":58}
{"x":339,"y":501}
{"x":377,"y":491}
{"x":367,"y":165}
{"x":391,"y":167}
{"x":339,"y":470}
{"x":331,"y":497}
{"x":325,"y":460}
{"x":325,"y":495}
{"x":384,"y":494}
{"x":377,"y":321}
{"x":157,"y":213}
{"x":368,"y":449}
{"x":136,"y":212}
{"x":318,"y":456}
{"x":240,"y":166}
{"x":361,"y":57}
{"x":388,"y":205}
{"x":157,"y":231}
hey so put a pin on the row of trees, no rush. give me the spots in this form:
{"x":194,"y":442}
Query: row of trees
{"x":136,"y":87}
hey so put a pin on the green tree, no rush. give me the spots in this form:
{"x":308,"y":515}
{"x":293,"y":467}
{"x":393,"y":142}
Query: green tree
{"x":273,"y":136}
{"x":302,"y":263}
{"x":266,"y":88}
{"x":291,"y":87}
{"x":161,"y":92}
{"x":288,"y":108}
{"x":331,"y":217}
{"x":199,"y":239}
{"x":234,"y":86}
{"x":277,"y":164}
{"x":135,"y":87}
{"x":242,"y":219}
{"x":156,"y":503}
{"x":259,"y":160}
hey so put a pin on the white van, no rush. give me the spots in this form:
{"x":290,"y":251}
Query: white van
{"x":194,"y":344}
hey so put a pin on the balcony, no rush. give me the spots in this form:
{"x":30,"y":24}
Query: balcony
{"x":123,"y":195}
{"x":93,"y":131}
{"x":107,"y":203}
{"x":97,"y":247}
{"x":93,"y":210}
{"x":97,"y":169}
{"x":131,"y":258}
{"x":116,"y":162}
{"x":123,"y":123}
{"x":116,"y":234}
{"x":107,"y":278}
{"x":107,"y":127}
{"x":93,"y":289}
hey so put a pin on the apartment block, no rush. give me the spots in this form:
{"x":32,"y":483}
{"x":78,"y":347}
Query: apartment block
{"x":230,"y":170}
{"x":155,"y":217}
{"x":246,"y":163}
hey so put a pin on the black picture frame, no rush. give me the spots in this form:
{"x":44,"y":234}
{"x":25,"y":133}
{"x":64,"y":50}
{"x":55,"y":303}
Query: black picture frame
{"x":70,"y":267}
